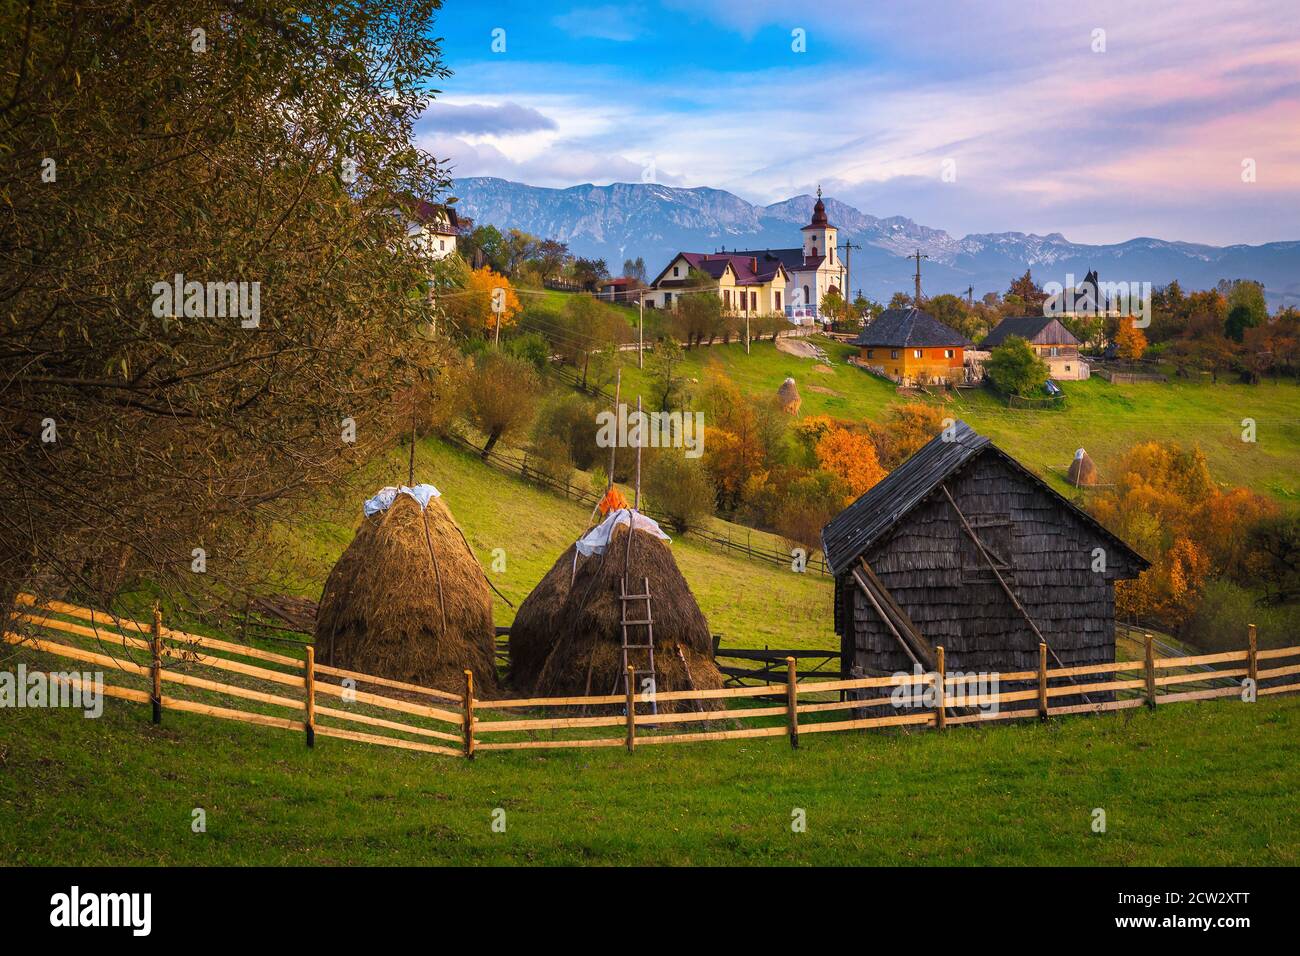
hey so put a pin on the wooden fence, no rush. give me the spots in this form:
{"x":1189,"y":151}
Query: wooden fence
{"x":464,"y":724}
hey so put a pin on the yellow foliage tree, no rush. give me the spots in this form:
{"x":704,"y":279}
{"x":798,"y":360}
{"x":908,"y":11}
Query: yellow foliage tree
{"x":1130,"y":342}
{"x":474,"y":308}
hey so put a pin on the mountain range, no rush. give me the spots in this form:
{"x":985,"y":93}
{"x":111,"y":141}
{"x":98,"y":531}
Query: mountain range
{"x":626,"y":220}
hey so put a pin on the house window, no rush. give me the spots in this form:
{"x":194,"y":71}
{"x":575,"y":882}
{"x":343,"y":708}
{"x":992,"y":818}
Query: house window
{"x":1055,"y":351}
{"x":916,"y":353}
{"x":753,"y":301}
{"x":726,"y":298}
{"x":871,"y":353}
{"x":776,"y":296}
{"x":893,"y":353}
{"x":994,"y":533}
{"x":1067,"y":368}
{"x":807,"y":299}
{"x":948,"y":353}
{"x":677,"y":270}
{"x":668,"y":299}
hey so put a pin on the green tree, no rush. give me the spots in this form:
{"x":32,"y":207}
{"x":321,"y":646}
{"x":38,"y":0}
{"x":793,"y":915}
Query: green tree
{"x":664,"y":366}
{"x":680,"y":488}
{"x":499,"y":397}
{"x":1240,"y":318}
{"x":1014,"y":369}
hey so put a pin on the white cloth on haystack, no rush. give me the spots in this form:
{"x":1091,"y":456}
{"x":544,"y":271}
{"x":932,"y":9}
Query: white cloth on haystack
{"x":384,"y":498}
{"x":597,"y":539}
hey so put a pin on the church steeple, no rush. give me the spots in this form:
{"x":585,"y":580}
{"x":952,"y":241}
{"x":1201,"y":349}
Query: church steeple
{"x":819,"y":211}
{"x":819,"y":235}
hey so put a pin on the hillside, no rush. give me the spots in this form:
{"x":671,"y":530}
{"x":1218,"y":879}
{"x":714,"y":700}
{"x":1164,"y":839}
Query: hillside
{"x":1103,"y":418}
{"x":751,"y":604}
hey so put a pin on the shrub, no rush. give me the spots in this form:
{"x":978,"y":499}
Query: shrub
{"x":679,"y":487}
{"x":1014,"y":369}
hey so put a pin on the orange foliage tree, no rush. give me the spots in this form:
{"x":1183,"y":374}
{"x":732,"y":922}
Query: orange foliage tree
{"x":1167,"y":507}
{"x":851,"y":456}
{"x":472,"y":307}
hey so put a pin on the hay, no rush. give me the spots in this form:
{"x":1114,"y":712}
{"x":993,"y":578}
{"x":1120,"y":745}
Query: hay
{"x":788,"y":397}
{"x":1082,"y":470}
{"x":566,"y":639}
{"x":388,"y":609}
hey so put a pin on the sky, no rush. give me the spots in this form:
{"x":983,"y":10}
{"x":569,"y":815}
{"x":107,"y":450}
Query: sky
{"x":1098,"y":119}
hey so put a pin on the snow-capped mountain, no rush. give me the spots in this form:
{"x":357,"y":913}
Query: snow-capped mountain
{"x":626,"y":220}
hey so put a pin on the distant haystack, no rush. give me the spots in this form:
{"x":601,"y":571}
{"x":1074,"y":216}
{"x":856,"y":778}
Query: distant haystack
{"x":408,"y":599}
{"x":1082,"y":471}
{"x":788,"y":397}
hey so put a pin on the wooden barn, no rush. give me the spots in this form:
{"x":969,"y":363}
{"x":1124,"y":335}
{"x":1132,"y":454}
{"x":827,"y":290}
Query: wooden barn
{"x":961,"y":546}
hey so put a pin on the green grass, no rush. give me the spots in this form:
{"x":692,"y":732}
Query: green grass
{"x":1191,"y":784}
{"x":1106,"y":419}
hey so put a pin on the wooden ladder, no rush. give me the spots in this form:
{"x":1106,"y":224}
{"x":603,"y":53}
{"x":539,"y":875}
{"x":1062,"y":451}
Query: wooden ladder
{"x":630,"y":644}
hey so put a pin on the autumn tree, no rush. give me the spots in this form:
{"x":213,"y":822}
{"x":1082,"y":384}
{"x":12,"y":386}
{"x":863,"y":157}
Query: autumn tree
{"x":487,"y":301}
{"x":1130,"y":342}
{"x":141,"y":430}
{"x":499,"y":397}
{"x":850,"y":456}
{"x":679,"y":487}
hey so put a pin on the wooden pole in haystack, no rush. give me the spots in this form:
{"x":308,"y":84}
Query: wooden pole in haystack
{"x":792,"y":700}
{"x":309,"y":682}
{"x":1150,"y":671}
{"x":631,"y":708}
{"x":1042,"y":680}
{"x":155,"y":667}
{"x":468,"y":722}
{"x":940,"y":718}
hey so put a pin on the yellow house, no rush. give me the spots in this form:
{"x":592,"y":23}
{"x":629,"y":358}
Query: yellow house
{"x":747,"y":284}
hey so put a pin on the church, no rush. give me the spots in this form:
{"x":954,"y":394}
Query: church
{"x":790,"y":282}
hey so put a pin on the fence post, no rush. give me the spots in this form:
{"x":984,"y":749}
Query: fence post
{"x":630,"y":684}
{"x":1252,"y":658}
{"x":1150,"y":671}
{"x":792,"y":699}
{"x":468,"y":721}
{"x":309,"y":682}
{"x":940,"y":718}
{"x":155,"y":666}
{"x":1042,"y":680}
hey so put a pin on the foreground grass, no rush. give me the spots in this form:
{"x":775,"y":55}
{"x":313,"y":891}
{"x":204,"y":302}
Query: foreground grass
{"x":1103,"y":418}
{"x":1191,"y":784}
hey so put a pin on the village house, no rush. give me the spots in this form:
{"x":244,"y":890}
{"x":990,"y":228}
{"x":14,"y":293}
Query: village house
{"x":620,"y":289}
{"x":745,"y":285}
{"x":1050,"y":340}
{"x":434,"y":227}
{"x":963,"y":547}
{"x":913,"y":348}
{"x":797,"y":278}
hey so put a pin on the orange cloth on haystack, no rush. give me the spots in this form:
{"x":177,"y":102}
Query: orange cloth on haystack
{"x":613,"y":501}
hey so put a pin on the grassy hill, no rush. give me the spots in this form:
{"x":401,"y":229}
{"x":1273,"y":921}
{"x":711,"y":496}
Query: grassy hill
{"x":1103,"y":418}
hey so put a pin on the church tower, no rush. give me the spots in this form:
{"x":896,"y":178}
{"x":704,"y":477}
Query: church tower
{"x":819,"y":235}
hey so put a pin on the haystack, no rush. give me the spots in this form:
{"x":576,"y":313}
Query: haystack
{"x":566,"y":639}
{"x":408,"y":600}
{"x":1082,"y":471}
{"x":788,"y":397}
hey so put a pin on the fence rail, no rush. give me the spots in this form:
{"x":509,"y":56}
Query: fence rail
{"x":465,"y":724}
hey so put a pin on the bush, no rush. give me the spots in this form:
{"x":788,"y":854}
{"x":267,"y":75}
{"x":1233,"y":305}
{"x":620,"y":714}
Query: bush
{"x":679,"y":487}
{"x":1014,"y":369}
{"x":570,"y":420}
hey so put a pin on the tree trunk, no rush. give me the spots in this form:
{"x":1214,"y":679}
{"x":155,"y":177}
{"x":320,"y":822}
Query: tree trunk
{"x":491,"y":443}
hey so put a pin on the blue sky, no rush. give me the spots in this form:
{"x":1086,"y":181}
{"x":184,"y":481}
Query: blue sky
{"x":1099,"y":119}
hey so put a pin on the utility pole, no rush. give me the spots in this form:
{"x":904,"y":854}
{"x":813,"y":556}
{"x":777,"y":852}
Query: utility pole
{"x":846,"y":270}
{"x":918,"y":256}
{"x":970,"y":296}
{"x":746,"y":328}
{"x":640,"y":333}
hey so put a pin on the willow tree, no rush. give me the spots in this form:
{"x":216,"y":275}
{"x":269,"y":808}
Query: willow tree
{"x":250,"y":156}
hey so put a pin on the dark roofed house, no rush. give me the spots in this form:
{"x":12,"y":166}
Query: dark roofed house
{"x":1050,"y":340}
{"x":913,"y":347}
{"x":964,"y":548}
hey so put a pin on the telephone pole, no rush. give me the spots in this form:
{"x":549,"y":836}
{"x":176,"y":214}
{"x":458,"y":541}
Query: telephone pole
{"x":918,"y":256}
{"x":640,"y":333}
{"x":847,"y":270}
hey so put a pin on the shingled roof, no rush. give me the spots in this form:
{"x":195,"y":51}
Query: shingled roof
{"x":855,"y":529}
{"x":909,"y":328}
{"x":1038,"y":329}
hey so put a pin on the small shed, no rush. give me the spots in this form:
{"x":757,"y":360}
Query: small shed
{"x":964,"y":547}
